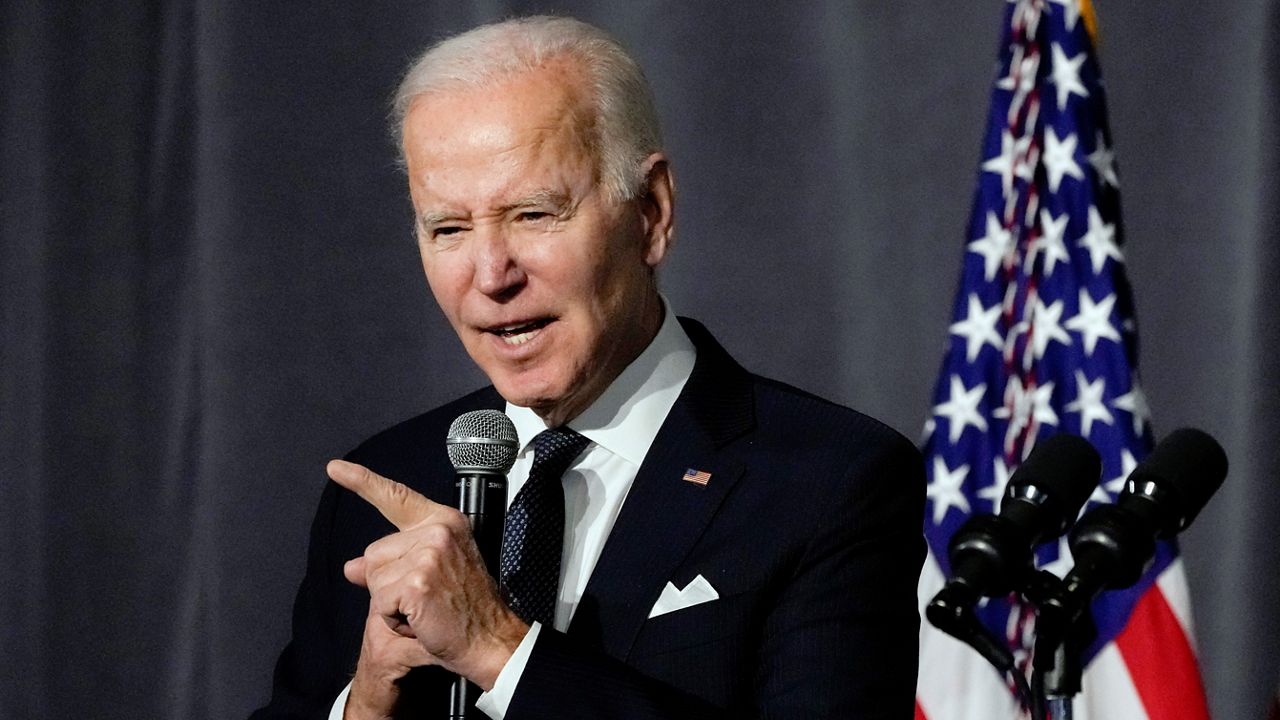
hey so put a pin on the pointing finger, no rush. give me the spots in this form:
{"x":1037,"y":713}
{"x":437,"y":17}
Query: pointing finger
{"x":397,"y":503}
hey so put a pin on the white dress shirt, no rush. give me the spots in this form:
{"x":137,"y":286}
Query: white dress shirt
{"x":621,"y":425}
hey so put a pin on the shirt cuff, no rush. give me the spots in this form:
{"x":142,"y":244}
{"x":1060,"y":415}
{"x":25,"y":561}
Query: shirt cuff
{"x":340,"y":705}
{"x":495,"y":702}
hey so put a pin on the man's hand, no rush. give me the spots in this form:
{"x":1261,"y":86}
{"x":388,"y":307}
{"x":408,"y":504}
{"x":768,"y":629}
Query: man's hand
{"x":385,"y":658}
{"x":428,"y":582}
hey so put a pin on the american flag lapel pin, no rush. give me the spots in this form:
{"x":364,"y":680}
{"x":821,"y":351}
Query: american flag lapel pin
{"x":697,"y":477}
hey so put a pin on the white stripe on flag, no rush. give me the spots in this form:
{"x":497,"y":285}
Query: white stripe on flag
{"x":1173,"y":583}
{"x":1108,"y":690}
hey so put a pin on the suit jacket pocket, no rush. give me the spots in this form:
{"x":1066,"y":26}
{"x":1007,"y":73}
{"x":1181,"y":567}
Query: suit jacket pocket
{"x":726,"y":619}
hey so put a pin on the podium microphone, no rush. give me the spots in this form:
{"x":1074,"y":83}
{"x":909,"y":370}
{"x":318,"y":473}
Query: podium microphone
{"x":1113,"y":545}
{"x":991,"y":555}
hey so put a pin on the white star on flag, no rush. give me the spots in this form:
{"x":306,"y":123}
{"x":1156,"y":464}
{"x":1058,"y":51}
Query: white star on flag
{"x":1062,"y":564}
{"x":1050,"y":242}
{"x":1134,"y":402}
{"x":1008,"y":164}
{"x":1103,"y":161}
{"x":1024,"y":406}
{"x":946,"y":489}
{"x":994,"y":492}
{"x":1089,"y":403}
{"x":961,"y":409}
{"x":1100,"y":241}
{"x":1070,"y":12}
{"x":978,"y":328}
{"x":1045,"y":327}
{"x":993,"y":246}
{"x":1066,"y":75}
{"x":1093,"y":321}
{"x":1127,"y":464}
{"x":1059,"y":158}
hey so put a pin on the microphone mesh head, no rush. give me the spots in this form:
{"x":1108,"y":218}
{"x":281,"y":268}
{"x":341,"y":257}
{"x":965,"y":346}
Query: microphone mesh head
{"x":482,"y":441}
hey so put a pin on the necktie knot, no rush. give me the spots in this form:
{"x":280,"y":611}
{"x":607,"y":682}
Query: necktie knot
{"x":553,"y":450}
{"x":533,"y":538}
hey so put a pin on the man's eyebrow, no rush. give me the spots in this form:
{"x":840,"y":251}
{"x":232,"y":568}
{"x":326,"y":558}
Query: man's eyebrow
{"x":541,"y":197}
{"x":436,"y":217}
{"x":538,"y":198}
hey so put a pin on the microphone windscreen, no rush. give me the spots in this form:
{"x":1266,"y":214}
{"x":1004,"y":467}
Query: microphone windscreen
{"x":1064,"y":467}
{"x":1190,"y":466}
{"x":482,"y":441}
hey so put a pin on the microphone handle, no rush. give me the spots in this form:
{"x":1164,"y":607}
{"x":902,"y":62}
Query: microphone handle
{"x":482,"y":498}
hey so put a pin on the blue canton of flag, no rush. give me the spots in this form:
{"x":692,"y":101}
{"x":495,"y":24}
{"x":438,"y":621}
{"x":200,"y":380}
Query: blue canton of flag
{"x":1043,"y":338}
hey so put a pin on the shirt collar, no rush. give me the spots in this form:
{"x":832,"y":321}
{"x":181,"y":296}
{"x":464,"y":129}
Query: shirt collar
{"x":625,"y":419}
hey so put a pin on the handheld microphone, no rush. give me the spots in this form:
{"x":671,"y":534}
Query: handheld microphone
{"x":482,"y":446}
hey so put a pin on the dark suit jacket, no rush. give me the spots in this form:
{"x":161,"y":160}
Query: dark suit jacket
{"x":809,"y":529}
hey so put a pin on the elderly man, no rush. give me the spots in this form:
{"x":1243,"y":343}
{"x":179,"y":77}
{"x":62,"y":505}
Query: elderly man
{"x":715,"y":544}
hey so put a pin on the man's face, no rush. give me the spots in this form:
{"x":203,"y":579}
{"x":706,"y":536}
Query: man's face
{"x":548,"y":283}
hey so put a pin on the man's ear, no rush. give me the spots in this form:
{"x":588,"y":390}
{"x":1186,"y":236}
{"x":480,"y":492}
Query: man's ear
{"x":657,"y":207}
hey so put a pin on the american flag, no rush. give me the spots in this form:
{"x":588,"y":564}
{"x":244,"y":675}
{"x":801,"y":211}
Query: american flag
{"x":697,"y":477}
{"x":1043,"y":341}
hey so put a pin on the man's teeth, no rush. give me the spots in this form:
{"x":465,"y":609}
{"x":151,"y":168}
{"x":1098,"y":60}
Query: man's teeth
{"x":519,"y":338}
{"x":519,"y":334}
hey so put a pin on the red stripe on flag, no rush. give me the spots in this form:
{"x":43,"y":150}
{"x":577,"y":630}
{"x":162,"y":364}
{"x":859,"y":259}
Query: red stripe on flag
{"x":1161,"y":662}
{"x":920,"y":712}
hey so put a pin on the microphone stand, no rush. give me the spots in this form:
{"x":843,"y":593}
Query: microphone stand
{"x":1057,"y":670}
{"x":1062,"y":634}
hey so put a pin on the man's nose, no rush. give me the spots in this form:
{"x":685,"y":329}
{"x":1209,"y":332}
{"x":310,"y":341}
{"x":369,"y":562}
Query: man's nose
{"x":497,"y":271}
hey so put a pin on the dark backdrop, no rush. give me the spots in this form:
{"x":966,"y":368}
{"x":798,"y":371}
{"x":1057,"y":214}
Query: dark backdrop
{"x":208,"y":285}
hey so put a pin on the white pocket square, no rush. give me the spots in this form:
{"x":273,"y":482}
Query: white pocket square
{"x":698,"y":591}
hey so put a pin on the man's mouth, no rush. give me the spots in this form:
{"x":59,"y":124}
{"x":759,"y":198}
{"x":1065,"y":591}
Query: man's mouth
{"x":519,"y":333}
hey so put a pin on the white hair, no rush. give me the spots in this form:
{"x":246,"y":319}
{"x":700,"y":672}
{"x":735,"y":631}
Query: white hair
{"x":625,"y":126}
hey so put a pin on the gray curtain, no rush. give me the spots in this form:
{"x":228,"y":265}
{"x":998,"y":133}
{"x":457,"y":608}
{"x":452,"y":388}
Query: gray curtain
{"x":208,"y":286}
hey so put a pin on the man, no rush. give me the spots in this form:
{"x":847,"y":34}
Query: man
{"x":732,"y":547}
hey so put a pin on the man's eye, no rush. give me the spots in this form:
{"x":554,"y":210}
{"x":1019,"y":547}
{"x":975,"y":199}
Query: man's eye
{"x":533,"y":215}
{"x":446,"y":231}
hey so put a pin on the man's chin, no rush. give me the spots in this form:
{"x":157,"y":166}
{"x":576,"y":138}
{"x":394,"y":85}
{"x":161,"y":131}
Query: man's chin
{"x":534,"y":396}
{"x":556,"y":405}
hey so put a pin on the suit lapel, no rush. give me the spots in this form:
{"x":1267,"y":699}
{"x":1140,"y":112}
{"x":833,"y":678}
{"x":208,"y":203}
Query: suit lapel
{"x":664,"y":515}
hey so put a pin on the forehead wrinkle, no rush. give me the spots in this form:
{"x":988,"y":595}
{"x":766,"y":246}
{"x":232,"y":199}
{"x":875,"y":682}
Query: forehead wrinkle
{"x":563,"y":126}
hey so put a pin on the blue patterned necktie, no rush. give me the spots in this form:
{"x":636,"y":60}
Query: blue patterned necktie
{"x":532,"y":541}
